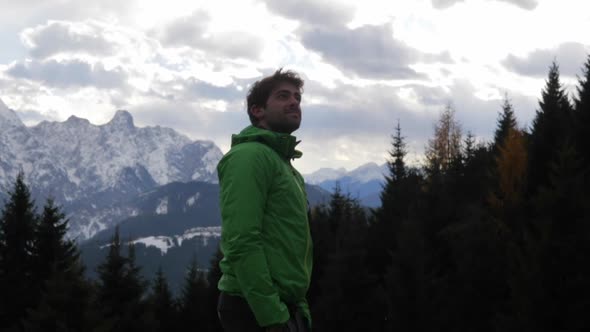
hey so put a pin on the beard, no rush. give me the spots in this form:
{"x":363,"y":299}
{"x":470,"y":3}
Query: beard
{"x":283,"y":127}
{"x":286,"y":126}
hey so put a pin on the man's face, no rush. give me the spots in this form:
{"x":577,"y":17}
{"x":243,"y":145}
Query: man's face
{"x":283,"y":109}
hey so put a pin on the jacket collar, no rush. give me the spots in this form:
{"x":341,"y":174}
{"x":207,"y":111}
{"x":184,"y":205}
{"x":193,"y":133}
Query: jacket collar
{"x":283,"y":144}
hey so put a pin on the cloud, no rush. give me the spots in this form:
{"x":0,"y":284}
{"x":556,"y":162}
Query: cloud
{"x":192,"y":31}
{"x":88,"y":39}
{"x":192,"y":89}
{"x":32,"y":117}
{"x":312,"y":12}
{"x":570,"y":57}
{"x":33,"y":11}
{"x":187,"y":30}
{"x":192,"y":120}
{"x":209,"y":91}
{"x":57,"y":37}
{"x":69,"y":73}
{"x":444,"y":4}
{"x":524,"y":4}
{"x":353,"y":111}
{"x":367,"y":51}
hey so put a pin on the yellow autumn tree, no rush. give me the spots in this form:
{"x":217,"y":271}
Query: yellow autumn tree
{"x":445,"y":146}
{"x":511,"y":164}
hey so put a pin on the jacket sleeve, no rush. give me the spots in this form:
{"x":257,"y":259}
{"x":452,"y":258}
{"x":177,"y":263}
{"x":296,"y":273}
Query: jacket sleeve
{"x":245,"y":178}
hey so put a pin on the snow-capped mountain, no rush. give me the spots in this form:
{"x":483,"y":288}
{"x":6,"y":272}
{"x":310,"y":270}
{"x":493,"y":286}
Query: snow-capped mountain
{"x":364,"y":173}
{"x":364,"y":182}
{"x":89,"y":169}
{"x":324,"y":174}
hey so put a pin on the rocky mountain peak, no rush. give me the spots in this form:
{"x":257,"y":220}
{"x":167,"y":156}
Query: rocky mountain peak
{"x":122,"y":119}
{"x":8,"y":117}
{"x":74,"y":120}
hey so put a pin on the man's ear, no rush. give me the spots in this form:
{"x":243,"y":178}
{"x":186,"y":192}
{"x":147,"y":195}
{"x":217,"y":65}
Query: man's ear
{"x":257,"y":112}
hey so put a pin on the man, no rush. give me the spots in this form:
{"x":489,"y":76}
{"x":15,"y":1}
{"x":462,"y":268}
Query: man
{"x":265,"y":237}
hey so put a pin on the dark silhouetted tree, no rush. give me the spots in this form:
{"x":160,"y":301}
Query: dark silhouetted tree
{"x":562,"y":246}
{"x":120,"y":290}
{"x":351,"y":298}
{"x":193,"y":299}
{"x":582,"y":122}
{"x":550,"y":131}
{"x":65,"y":293}
{"x":162,"y":304}
{"x":17,"y":285}
{"x":506,"y":122}
{"x":52,"y":251}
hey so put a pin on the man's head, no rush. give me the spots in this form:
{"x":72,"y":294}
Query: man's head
{"x":274,"y":102}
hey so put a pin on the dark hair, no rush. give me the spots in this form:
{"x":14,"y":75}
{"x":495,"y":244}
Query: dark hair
{"x":260,"y":90}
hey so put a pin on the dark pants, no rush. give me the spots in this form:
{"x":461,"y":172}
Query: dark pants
{"x":235,"y":315}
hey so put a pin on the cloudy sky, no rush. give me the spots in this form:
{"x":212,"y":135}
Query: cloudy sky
{"x":367,"y":64}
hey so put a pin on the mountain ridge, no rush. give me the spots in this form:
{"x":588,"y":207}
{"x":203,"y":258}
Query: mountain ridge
{"x":364,"y":182}
{"x":87,"y":168}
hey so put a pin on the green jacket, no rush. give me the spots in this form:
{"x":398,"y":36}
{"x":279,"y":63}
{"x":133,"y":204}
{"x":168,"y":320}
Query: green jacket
{"x":265,"y":237}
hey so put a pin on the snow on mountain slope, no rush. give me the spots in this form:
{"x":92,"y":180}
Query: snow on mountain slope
{"x":362,"y":174}
{"x":87,"y":168}
{"x":324,"y":174}
{"x":369,"y":172}
{"x":364,"y":182}
{"x":164,"y":243}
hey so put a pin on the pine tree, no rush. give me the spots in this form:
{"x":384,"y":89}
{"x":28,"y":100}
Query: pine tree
{"x":397,"y":163}
{"x":136,"y":285}
{"x":17,"y":225}
{"x":562,"y":248}
{"x":475,"y":176}
{"x":163,"y":304}
{"x":338,"y":206}
{"x":322,"y":238}
{"x":391,"y":257}
{"x":506,"y":122}
{"x":65,"y":293}
{"x":394,"y":199}
{"x":193,"y":298}
{"x":399,"y":193}
{"x":350,"y":298}
{"x":582,"y":120}
{"x":550,"y":132}
{"x":120,"y":290}
{"x":64,"y":304}
{"x":52,"y":251}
